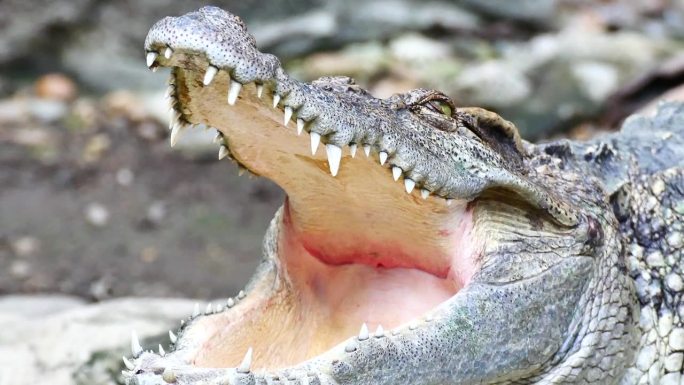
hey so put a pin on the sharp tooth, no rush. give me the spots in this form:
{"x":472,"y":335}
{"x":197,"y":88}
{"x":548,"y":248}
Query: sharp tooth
{"x":218,"y":137}
{"x":276,"y":100}
{"x":223,"y":152}
{"x":233,"y":92}
{"x":154,"y":69}
{"x":151,"y":57}
{"x":168,"y":52}
{"x":352,"y":150}
{"x":135,"y":345}
{"x":196,"y":311}
{"x":231,"y":302}
{"x":175,"y":133}
{"x":128,"y":363}
{"x":241,"y":170}
{"x":448,"y":202}
{"x":396,"y":173}
{"x":409,"y":184}
{"x":161,"y":351}
{"x":366,"y":149}
{"x":334,"y":156}
{"x":288,"y":115}
{"x":363,"y":333}
{"x":242,"y":294}
{"x":208,"y":310}
{"x":379,"y":332}
{"x":209,"y":75}
{"x":300,"y":126}
{"x":315,"y":140}
{"x":172,"y":337}
{"x":260,"y":90}
{"x":383,"y":157}
{"x":246,"y":362}
{"x":424,"y":193}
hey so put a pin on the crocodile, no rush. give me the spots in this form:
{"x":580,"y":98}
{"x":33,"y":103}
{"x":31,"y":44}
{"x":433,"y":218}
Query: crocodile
{"x":421,"y":242}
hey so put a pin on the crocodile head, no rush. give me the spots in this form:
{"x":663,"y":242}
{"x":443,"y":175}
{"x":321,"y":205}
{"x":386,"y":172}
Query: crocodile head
{"x":419,"y":243}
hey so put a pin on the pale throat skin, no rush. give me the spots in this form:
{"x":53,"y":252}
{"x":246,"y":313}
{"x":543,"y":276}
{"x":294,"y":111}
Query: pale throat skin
{"x":424,"y":243}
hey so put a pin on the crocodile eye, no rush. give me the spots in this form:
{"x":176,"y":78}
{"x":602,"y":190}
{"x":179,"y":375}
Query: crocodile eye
{"x":441,"y":107}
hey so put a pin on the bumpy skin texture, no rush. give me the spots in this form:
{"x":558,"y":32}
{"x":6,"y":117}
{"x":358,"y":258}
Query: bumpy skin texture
{"x":587,"y":289}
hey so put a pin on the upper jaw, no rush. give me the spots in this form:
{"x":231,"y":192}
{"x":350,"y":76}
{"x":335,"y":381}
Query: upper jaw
{"x":334,"y":113}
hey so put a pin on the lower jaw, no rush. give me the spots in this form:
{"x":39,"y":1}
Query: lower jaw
{"x":317,"y":305}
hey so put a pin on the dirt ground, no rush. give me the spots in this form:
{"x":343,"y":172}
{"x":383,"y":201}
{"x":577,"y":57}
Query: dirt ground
{"x":106,"y":208}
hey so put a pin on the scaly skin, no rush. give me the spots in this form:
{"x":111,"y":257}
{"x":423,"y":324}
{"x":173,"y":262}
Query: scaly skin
{"x":577,"y":247}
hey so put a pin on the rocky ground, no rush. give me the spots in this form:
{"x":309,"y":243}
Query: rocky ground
{"x":95,"y":206}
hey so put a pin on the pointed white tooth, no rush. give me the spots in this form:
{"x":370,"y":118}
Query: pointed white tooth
{"x":315,"y":140}
{"x":409,"y":184}
{"x":223,"y":152}
{"x":208,"y":310}
{"x":175,"y":133}
{"x":242,"y":294}
{"x":276,"y":100}
{"x":128,"y":363}
{"x":209,"y":75}
{"x":363,"y":333}
{"x":288,"y":115}
{"x":241,"y":170}
{"x":379,"y":332}
{"x":448,"y":202}
{"x":151,"y":57}
{"x":135,"y":344}
{"x":366,"y":149}
{"x":424,"y":193}
{"x":260,"y":90}
{"x":231,"y":302}
{"x":233,"y":92}
{"x":172,"y":337}
{"x":383,"y":157}
{"x":396,"y":173}
{"x":161,"y":351}
{"x":154,"y":69}
{"x":300,"y":126}
{"x":168,"y":52}
{"x":352,"y":150}
{"x":246,"y":362}
{"x":196,"y":311}
{"x":218,"y":137}
{"x":334,"y":156}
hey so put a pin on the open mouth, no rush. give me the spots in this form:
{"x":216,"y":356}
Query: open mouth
{"x":401,"y":232}
{"x":365,"y":249}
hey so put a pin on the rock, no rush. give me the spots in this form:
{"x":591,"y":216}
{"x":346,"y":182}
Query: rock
{"x":97,"y":215}
{"x":61,"y":341}
{"x":534,"y":11}
{"x":55,"y":86}
{"x":417,"y":48}
{"x":494,"y":83}
{"x":25,"y":246}
{"x":124,"y":176}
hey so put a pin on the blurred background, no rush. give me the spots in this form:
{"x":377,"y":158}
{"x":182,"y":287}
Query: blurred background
{"x":95,"y":205}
